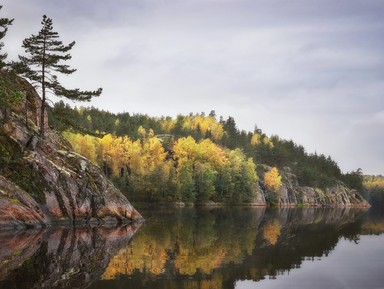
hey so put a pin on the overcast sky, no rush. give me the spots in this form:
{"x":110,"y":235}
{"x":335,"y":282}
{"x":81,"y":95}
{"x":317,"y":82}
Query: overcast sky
{"x":307,"y":70}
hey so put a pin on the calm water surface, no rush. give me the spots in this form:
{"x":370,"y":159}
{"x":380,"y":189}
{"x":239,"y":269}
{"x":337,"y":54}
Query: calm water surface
{"x":204,"y":248}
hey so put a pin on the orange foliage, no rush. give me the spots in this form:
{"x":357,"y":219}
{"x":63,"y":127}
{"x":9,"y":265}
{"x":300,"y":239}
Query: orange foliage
{"x":272,"y":231}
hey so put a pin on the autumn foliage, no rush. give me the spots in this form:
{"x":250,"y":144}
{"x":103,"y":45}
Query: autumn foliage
{"x":192,"y":172}
{"x":271,"y":231}
{"x":192,"y":158}
{"x":272,"y":180}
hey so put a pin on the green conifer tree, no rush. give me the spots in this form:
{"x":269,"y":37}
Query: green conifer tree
{"x":46,"y":54}
{"x":4,"y":23}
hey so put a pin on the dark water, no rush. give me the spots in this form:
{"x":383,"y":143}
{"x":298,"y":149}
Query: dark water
{"x":205,"y":248}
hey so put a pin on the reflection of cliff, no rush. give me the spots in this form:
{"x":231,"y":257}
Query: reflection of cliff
{"x":208,"y":247}
{"x":62,"y":258}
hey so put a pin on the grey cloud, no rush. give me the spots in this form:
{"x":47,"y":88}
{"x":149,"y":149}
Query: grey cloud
{"x":308,"y":70}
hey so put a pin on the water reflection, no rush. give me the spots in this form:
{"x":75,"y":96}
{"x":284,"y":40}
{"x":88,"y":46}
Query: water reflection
{"x":183,"y":248}
{"x":214,"y":248}
{"x":351,"y":265}
{"x":60,"y":258}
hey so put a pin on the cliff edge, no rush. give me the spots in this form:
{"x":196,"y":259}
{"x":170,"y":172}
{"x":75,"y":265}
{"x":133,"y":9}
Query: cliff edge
{"x":292,"y":194}
{"x":42,"y":181}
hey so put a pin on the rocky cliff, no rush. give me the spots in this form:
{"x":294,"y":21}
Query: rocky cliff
{"x":42,"y":181}
{"x":291,"y":193}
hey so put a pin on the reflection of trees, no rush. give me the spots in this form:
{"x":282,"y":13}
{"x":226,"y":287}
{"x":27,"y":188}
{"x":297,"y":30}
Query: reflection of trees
{"x":374,"y":223}
{"x":183,"y":248}
{"x":193,"y":243}
{"x":272,"y":231}
{"x":204,"y":248}
{"x":373,"y":228}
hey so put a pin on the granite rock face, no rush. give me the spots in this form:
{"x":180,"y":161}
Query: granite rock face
{"x":337,"y":195}
{"x":42,"y":181}
{"x":18,"y":208}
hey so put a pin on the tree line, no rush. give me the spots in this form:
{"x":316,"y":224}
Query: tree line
{"x":312,"y":169}
{"x":374,"y":190}
{"x":272,"y":157}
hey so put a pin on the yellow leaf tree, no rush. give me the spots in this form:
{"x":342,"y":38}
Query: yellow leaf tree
{"x":272,"y":180}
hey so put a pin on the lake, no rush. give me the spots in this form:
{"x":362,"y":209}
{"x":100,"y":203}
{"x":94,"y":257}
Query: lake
{"x":238,"y":248}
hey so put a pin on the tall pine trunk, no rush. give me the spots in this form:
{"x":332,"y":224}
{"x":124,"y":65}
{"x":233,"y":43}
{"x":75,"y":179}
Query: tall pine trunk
{"x":42,"y":108}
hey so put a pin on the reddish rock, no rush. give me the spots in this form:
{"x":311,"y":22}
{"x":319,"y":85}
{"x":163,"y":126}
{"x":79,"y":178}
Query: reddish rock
{"x":42,"y":181}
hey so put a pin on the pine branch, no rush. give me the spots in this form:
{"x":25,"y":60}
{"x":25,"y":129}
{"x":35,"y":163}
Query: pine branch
{"x":77,"y":94}
{"x":4,"y":23}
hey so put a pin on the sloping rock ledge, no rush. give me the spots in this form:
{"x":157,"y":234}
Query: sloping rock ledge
{"x":43,"y":182}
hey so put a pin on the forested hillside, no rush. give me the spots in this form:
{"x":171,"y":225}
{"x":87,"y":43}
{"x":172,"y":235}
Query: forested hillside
{"x":191,"y":158}
{"x":374,"y":190}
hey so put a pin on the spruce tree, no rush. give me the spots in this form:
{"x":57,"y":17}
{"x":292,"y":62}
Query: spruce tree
{"x":4,"y":23}
{"x":46,"y":54}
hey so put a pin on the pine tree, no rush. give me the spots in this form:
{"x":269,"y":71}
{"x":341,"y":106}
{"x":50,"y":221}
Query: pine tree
{"x":46,"y":53}
{"x":4,"y":23}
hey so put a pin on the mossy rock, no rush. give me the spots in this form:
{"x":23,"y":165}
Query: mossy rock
{"x":10,"y":152}
{"x":28,"y":179}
